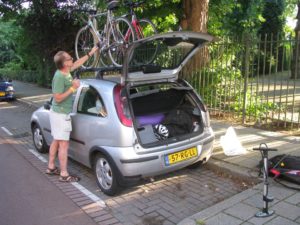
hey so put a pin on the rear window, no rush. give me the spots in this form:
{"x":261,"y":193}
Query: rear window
{"x":160,"y":54}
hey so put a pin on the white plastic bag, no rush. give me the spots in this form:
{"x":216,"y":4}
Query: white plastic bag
{"x":231,"y":144}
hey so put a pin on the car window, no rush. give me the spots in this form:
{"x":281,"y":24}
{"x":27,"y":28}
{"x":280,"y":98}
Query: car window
{"x":90,"y":102}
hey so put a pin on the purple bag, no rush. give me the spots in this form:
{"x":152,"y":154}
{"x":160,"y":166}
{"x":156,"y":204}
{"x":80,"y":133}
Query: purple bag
{"x":150,"y":119}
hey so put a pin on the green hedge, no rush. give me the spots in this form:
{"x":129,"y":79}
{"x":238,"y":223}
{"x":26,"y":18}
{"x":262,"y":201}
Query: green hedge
{"x":22,"y":75}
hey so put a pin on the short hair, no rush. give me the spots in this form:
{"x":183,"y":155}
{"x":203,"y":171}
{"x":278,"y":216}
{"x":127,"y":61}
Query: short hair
{"x":59,"y":59}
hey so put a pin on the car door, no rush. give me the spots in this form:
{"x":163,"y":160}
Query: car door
{"x":87,"y":123}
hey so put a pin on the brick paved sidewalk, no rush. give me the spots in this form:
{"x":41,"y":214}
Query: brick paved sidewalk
{"x":241,"y":209}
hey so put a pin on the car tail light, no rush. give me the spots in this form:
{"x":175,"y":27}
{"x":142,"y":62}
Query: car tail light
{"x":121,"y":105}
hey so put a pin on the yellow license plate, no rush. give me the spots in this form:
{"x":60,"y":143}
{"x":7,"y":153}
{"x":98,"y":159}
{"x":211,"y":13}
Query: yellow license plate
{"x":2,"y":93}
{"x":181,"y":156}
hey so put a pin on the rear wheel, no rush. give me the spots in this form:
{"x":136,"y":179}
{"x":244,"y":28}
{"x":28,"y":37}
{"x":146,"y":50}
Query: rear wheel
{"x":106,"y":174}
{"x":39,"y":140}
{"x":146,"y":53}
{"x":120,"y":34}
{"x":84,"y":42}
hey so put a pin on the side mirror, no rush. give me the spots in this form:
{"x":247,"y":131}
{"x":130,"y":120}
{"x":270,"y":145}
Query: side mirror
{"x":47,"y":105}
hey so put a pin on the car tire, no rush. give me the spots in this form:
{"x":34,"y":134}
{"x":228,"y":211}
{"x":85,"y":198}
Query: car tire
{"x":38,"y":139}
{"x":106,"y":174}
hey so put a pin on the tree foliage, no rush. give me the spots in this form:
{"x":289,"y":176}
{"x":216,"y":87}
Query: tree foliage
{"x":8,"y":43}
{"x":31,"y":36}
{"x":273,"y":15}
{"x":235,"y":17}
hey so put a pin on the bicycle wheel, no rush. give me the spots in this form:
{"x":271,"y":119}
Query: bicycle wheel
{"x":104,"y":59}
{"x":119,"y":35}
{"x":84,"y":42}
{"x":146,"y":53}
{"x":145,"y":29}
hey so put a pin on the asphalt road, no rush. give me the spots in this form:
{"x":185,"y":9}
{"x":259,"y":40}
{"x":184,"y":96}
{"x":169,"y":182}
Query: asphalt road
{"x":28,"y":197}
{"x":163,"y":200}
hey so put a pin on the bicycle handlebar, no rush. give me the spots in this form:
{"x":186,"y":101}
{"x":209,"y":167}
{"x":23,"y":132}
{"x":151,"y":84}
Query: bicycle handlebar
{"x":265,"y":149}
{"x":89,"y":11}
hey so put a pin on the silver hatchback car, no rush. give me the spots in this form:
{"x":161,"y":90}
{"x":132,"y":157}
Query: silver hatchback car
{"x":139,"y":122}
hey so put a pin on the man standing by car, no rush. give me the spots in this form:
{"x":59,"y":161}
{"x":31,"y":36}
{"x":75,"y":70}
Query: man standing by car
{"x":63,"y":87}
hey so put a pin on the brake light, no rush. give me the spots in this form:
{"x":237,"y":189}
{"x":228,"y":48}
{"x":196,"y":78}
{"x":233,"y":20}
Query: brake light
{"x":121,"y":107}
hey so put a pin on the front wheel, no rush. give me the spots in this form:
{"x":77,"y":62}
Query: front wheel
{"x":39,"y":140}
{"x":84,"y":42}
{"x":120,"y":34}
{"x":106,"y":174}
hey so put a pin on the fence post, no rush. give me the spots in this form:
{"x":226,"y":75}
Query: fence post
{"x":295,"y":61}
{"x":245,"y":73}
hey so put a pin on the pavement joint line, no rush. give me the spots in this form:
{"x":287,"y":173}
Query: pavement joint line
{"x":6,"y":131}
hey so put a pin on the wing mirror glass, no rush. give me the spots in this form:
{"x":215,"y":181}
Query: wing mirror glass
{"x":48,"y":104}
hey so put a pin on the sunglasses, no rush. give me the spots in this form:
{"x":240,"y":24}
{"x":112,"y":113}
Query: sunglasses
{"x":69,"y":59}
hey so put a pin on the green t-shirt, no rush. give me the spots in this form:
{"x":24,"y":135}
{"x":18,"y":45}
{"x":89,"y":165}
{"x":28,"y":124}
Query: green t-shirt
{"x":60,"y":84}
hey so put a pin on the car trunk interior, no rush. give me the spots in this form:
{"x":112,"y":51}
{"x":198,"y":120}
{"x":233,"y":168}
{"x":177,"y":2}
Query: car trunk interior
{"x":164,"y":113}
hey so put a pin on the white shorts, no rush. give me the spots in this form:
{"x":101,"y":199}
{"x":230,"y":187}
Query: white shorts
{"x":61,"y":126}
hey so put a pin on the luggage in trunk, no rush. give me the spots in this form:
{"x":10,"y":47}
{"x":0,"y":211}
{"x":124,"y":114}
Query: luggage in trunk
{"x":164,"y":113}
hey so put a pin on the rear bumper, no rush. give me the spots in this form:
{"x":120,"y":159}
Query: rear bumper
{"x":153,"y":164}
{"x":8,"y":96}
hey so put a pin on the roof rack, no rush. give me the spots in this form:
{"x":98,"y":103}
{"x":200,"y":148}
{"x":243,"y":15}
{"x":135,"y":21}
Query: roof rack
{"x":99,"y":72}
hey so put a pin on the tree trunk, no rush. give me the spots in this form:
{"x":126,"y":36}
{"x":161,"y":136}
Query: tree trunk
{"x":195,"y":14}
{"x":295,"y":65}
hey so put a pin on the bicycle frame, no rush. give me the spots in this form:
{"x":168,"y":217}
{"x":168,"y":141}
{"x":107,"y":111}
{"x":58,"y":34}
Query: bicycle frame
{"x":109,"y":23}
{"x":136,"y":25}
{"x":108,"y":32}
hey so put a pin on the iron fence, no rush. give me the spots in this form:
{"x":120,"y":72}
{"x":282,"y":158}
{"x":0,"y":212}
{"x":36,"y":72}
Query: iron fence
{"x":253,"y":79}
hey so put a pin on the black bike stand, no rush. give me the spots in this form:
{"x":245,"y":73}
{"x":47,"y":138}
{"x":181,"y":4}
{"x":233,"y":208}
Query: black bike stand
{"x":265,"y":212}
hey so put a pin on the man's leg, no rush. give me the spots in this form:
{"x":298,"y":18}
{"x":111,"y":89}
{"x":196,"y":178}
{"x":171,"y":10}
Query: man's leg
{"x":52,"y":153}
{"x":63,"y":157}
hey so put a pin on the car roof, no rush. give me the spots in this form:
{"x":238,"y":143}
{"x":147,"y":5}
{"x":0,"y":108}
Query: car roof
{"x":106,"y":84}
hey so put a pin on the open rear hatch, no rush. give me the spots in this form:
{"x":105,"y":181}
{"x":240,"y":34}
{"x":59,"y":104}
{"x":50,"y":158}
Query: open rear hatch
{"x":163,"y":108}
{"x":162,"y":56}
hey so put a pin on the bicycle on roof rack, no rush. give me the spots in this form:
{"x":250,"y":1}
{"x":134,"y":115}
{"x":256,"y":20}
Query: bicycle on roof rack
{"x":143,"y":28}
{"x":112,"y":39}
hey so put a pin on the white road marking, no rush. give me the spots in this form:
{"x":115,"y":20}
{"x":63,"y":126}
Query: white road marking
{"x":39,"y":156}
{"x":85,"y":191}
{"x":7,"y":131}
{"x":89,"y":194}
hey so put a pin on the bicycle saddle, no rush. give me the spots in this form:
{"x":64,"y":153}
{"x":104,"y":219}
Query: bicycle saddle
{"x":112,"y":5}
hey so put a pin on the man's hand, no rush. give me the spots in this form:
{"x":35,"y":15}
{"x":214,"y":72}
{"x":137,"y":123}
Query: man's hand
{"x":76,"y":83}
{"x":93,"y":50}
{"x":84,"y":58}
